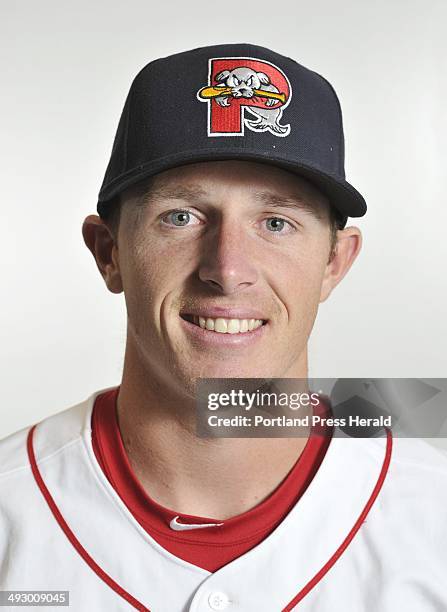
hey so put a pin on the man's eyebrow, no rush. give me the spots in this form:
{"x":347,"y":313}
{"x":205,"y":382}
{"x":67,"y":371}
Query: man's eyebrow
{"x":293,"y":201}
{"x":173,"y":193}
{"x":194,"y":193}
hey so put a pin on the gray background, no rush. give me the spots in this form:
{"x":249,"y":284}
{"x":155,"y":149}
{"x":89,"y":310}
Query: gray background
{"x":65,"y":71}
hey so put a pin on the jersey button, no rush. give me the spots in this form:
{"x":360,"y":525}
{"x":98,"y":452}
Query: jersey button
{"x":218,"y":601}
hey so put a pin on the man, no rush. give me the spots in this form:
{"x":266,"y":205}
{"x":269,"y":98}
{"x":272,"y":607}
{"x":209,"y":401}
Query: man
{"x":222,"y":218}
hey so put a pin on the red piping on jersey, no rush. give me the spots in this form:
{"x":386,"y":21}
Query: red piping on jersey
{"x":343,"y":546}
{"x":70,"y":535}
{"x":134,"y":602}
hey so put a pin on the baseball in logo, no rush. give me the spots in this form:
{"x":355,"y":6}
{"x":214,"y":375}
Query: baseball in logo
{"x":245,"y":92}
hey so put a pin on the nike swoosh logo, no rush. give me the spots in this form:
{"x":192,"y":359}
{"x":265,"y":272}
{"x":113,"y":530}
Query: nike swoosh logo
{"x":176,"y":526}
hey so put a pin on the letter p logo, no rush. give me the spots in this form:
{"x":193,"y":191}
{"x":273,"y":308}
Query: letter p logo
{"x":244,"y":91}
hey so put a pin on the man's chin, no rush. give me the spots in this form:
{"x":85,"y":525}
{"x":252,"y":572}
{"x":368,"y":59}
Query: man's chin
{"x":232,"y":370}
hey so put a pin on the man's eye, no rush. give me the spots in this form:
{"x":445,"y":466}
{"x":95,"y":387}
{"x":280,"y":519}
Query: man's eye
{"x":276,"y":224}
{"x":179,"y":218}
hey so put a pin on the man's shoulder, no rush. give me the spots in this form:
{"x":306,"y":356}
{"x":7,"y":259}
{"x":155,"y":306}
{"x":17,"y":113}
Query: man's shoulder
{"x":52,"y":435}
{"x":410,"y":469}
{"x":417,"y":474}
{"x":417,"y":454}
{"x":413,"y":453}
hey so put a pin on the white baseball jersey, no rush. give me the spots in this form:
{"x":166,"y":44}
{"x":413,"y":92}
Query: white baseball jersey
{"x":369,"y":533}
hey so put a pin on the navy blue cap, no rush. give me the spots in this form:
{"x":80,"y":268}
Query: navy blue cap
{"x":231,"y":101}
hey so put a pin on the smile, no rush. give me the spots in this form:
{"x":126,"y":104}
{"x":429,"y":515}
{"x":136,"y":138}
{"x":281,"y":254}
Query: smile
{"x":222,"y":325}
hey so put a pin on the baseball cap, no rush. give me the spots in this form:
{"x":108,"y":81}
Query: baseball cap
{"x":231,"y":101}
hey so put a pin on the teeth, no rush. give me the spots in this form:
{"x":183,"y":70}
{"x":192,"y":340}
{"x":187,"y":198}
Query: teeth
{"x":233,"y":326}
{"x":220,"y":325}
{"x":227,"y":326}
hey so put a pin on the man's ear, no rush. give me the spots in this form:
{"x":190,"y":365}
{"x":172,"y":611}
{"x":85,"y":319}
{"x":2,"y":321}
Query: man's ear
{"x":349,"y":243}
{"x":101,"y":243}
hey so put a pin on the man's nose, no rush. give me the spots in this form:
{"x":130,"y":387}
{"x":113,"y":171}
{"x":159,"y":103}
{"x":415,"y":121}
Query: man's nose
{"x":226,"y":263}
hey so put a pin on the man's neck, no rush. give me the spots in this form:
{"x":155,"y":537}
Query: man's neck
{"x":209,"y":477}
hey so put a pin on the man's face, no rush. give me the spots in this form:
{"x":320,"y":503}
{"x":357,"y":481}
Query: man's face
{"x":225,"y":240}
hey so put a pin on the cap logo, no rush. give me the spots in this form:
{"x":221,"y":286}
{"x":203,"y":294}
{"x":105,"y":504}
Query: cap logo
{"x":245,"y":92}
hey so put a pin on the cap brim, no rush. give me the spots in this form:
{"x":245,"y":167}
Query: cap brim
{"x":341,"y":194}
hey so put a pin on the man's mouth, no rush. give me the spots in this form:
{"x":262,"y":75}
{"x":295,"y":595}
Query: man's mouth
{"x":222,"y":325}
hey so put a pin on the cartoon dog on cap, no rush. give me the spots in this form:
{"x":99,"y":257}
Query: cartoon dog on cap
{"x":244,"y":82}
